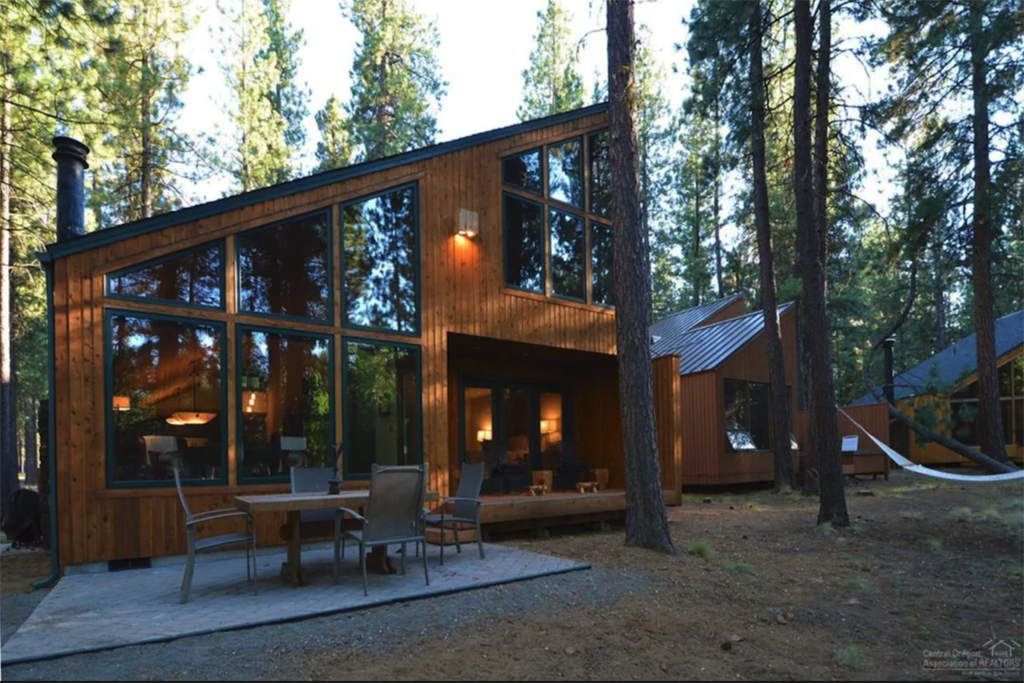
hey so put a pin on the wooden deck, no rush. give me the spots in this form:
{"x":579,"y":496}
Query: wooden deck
{"x":521,"y":511}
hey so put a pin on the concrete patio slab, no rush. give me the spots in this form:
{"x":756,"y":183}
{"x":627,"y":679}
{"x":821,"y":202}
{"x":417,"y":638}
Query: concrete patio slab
{"x":90,"y":612}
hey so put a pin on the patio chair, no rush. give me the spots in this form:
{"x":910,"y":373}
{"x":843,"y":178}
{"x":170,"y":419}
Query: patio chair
{"x":394,"y":516}
{"x":465,"y":508}
{"x":197,"y":545}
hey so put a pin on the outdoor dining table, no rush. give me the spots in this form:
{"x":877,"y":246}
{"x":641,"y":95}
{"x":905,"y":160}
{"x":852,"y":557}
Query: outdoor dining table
{"x":294,"y":504}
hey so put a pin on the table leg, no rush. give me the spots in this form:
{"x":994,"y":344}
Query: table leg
{"x":291,"y":571}
{"x":379,"y":561}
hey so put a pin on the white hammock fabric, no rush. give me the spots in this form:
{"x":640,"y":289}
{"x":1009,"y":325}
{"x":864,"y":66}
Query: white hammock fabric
{"x":927,"y":471}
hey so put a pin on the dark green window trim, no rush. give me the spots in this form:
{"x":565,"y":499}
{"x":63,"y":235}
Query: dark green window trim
{"x":544,"y":247}
{"x":551,"y":252}
{"x":543,"y":161}
{"x":418,"y":352}
{"x":108,"y":381}
{"x":329,"y":320}
{"x":418,"y":261}
{"x":215,"y":244}
{"x":240,"y":329}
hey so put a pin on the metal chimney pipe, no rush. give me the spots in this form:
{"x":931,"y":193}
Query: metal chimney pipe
{"x":890,"y":380}
{"x":70,"y":155}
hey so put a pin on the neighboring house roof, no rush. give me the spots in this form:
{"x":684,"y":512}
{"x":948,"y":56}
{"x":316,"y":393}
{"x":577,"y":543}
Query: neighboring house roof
{"x":199,"y":211}
{"x":666,"y":331}
{"x":955,"y":362}
{"x":705,"y":348}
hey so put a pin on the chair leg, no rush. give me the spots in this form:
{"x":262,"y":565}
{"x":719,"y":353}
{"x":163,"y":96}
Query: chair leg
{"x":255,"y":578}
{"x":443,"y":539}
{"x":362,"y":561}
{"x":403,"y":559}
{"x":479,"y":537}
{"x":186,"y":581}
{"x":458,"y":546}
{"x":336,"y":571}
{"x":426,"y":574}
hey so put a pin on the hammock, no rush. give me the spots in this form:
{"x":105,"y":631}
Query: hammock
{"x":927,"y":471}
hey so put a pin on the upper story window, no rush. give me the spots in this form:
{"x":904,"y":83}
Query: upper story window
{"x":556,"y":209}
{"x":194,"y":277}
{"x":381,"y":252}
{"x":284,"y":269}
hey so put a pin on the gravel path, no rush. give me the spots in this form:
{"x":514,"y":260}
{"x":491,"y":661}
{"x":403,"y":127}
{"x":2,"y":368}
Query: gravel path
{"x":250,"y":654}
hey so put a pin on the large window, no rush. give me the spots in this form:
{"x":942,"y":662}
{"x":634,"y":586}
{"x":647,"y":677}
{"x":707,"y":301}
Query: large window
{"x":165,"y":398}
{"x":382,"y":417}
{"x":965,"y":408}
{"x":285,"y":402}
{"x":194,"y":277}
{"x":382,"y":262}
{"x":558,"y":247}
{"x":284,"y":269}
{"x":524,"y":244}
{"x":747,"y":425}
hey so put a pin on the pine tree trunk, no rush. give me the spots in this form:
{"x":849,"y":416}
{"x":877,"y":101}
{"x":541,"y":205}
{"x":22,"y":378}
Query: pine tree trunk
{"x":31,"y":445}
{"x":821,"y":103}
{"x":696,"y":239}
{"x":823,"y":441}
{"x":646,"y":523}
{"x":938,"y":262}
{"x":715,"y":206}
{"x":990,"y":423}
{"x":8,"y":456}
{"x":785,"y":478}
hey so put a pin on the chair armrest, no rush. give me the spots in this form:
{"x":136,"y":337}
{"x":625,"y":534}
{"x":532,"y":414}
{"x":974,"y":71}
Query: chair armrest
{"x":208,"y":513}
{"x":349,"y":511}
{"x":210,"y":517}
{"x":456,"y":499}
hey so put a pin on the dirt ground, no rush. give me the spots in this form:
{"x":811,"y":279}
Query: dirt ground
{"x":20,"y":569}
{"x":756,"y":592}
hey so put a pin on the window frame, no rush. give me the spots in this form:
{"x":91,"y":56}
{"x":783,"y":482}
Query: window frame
{"x":108,"y":383}
{"x":417,"y":262}
{"x":273,"y":225}
{"x":346,"y":473}
{"x":590,"y":263}
{"x":748,"y":399}
{"x":219,"y":244}
{"x":582,"y":139}
{"x":240,"y":329}
{"x":587,"y":288}
{"x":545,"y":246}
{"x":543,"y":171}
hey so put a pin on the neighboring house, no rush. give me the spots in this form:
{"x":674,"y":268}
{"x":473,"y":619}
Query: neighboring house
{"x":445,"y":305}
{"x":943,"y":391}
{"x":722,"y":421}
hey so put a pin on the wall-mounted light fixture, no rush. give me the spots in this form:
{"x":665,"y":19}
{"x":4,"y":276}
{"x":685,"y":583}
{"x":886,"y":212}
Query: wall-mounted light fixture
{"x":122,"y":403}
{"x":469,"y":223}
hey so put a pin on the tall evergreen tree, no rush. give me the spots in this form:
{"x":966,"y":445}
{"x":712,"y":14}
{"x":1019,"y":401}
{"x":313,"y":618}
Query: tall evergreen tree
{"x":288,"y":98}
{"x":552,"y":83}
{"x":396,"y":79}
{"x":257,"y":154}
{"x":334,"y":149}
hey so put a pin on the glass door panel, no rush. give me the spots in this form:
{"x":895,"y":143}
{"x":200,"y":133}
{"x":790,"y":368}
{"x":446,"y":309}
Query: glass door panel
{"x":478,"y":435}
{"x":517,"y":437}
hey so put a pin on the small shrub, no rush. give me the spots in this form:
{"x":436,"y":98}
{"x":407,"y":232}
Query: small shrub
{"x":961,"y":514}
{"x":824,"y":529}
{"x":851,"y":657}
{"x":933,"y":543}
{"x":739,"y":568}
{"x":860,"y":585}
{"x":701,"y":548}
{"x":912,"y":514}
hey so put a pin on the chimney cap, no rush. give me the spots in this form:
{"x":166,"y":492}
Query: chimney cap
{"x":70,"y":148}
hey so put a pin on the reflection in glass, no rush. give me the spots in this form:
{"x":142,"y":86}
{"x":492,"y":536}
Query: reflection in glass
{"x":747,"y":424}
{"x":601,"y":260}
{"x":381,"y":261}
{"x":524,"y":244}
{"x":382,"y":406}
{"x":565,"y":172}
{"x":568,"y":248}
{"x":192,"y":278}
{"x":600,"y":175}
{"x":282,"y":270}
{"x":479,"y":428}
{"x":285,"y":399}
{"x":158,"y":368}
{"x":514,"y":467}
{"x":524,"y":170}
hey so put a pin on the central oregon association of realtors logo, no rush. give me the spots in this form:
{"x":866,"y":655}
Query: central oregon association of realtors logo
{"x":995,"y":656}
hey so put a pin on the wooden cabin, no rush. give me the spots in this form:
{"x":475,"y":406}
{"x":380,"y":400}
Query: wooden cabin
{"x":445,"y":305}
{"x":720,"y":377}
{"x":942,"y":391}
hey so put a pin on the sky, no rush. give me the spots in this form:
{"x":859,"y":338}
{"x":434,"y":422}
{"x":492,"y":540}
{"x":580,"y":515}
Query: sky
{"x":484,"y":48}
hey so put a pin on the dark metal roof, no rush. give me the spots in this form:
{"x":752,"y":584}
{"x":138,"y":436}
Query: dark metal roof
{"x":109,"y":235}
{"x":665,"y":333}
{"x":705,"y":348}
{"x":952,"y":364}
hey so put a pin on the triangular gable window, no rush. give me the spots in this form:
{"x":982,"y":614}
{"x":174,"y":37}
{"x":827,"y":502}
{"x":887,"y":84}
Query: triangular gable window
{"x":194,"y":277}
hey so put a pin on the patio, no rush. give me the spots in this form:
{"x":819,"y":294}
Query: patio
{"x":90,"y":612}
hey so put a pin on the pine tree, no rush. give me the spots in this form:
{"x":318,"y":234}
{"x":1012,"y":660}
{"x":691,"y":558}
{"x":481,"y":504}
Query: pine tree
{"x":334,"y":149}
{"x":288,"y":98}
{"x":396,"y":81}
{"x":552,"y":83}
{"x":258,"y":153}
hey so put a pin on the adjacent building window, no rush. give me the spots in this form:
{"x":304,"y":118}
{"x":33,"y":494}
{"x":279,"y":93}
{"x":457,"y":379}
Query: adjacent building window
{"x":565,"y":172}
{"x":382,"y":416}
{"x":600,"y":175}
{"x":601,"y":261}
{"x":165,"y":399}
{"x":524,"y":244}
{"x":747,"y":426}
{"x":284,"y":269}
{"x":285,"y":402}
{"x":382,"y":262}
{"x":568,"y":255}
{"x":524,"y":170}
{"x":194,"y":277}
